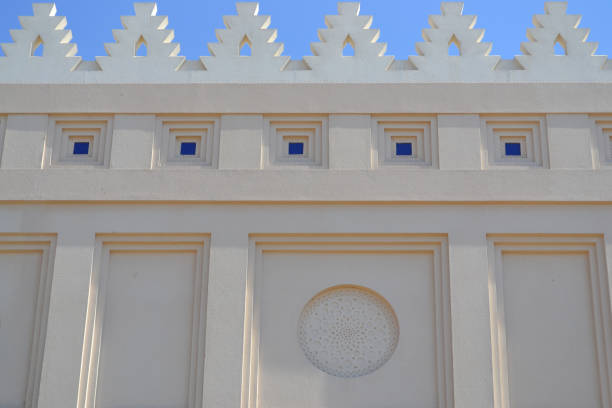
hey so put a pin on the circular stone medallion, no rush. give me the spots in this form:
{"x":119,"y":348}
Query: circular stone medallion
{"x":348,"y":331}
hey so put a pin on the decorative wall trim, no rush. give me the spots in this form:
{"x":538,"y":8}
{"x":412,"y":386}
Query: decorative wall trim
{"x":250,"y":29}
{"x":163,"y":64}
{"x":514,"y":141}
{"x":421,"y":132}
{"x":309,"y":135}
{"x":603,"y":135}
{"x":2,"y":133}
{"x":173,"y":131}
{"x":436,"y":244}
{"x":107,"y":243}
{"x":94,"y":132}
{"x":590,"y":245}
{"x":45,"y":245}
{"x":147,"y":29}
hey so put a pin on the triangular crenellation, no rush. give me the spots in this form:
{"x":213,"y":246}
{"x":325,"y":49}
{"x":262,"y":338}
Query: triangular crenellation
{"x":348,"y":50}
{"x":252,"y":29}
{"x":558,"y":27}
{"x":43,"y":29}
{"x":145,"y":27}
{"x":452,"y":27}
{"x":348,"y":25}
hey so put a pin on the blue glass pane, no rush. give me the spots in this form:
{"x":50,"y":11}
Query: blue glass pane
{"x":403,"y":149}
{"x":513,"y":149}
{"x":188,"y":148}
{"x":80,"y":148}
{"x":296,"y":148}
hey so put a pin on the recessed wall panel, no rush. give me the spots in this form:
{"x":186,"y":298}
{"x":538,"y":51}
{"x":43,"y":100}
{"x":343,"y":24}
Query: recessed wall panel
{"x":144,"y":345}
{"x":25,"y":276}
{"x":406,"y":282}
{"x":146,"y":336}
{"x":550,"y":321}
{"x":552,"y":356}
{"x":349,"y":322}
{"x":19,"y":280}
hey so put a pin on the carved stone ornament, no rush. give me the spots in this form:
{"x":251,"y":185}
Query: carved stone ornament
{"x":348,"y":331}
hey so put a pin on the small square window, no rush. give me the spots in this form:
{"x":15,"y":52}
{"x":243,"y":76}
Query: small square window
{"x":296,"y":148}
{"x":403,"y":149}
{"x":295,"y":141}
{"x":80,"y":148}
{"x":515,"y":141}
{"x":513,"y":149}
{"x":78,"y":141}
{"x":188,"y":148}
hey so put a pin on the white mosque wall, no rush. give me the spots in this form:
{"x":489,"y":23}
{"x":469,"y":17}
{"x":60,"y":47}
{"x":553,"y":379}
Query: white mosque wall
{"x":471,"y":270}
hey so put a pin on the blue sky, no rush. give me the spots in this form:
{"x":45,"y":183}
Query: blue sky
{"x":400,"y":21}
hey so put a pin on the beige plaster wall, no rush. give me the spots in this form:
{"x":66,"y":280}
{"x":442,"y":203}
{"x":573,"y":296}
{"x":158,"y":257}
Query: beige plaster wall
{"x":20,"y":276}
{"x":547,"y":301}
{"x":119,"y":265}
{"x":570,"y":243}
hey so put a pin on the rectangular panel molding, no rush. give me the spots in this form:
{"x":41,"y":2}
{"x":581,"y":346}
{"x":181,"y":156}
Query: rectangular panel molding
{"x":514,"y":141}
{"x":145,"y":328}
{"x":309,"y":134}
{"x":174,"y":131}
{"x":2,"y":132}
{"x":26,"y":263}
{"x":550,"y":321}
{"x":288,"y":272}
{"x":603,"y":134}
{"x":66,"y":133}
{"x":418,"y":134}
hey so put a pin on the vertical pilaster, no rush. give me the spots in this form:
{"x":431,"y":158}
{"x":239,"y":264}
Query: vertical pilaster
{"x":350,"y":142}
{"x":471,"y":333}
{"x":570,"y":141}
{"x":241,"y":141}
{"x":132,"y":144}
{"x":608,"y":258}
{"x":66,"y":324}
{"x":223,"y":367}
{"x":459,"y":142}
{"x":24,"y":142}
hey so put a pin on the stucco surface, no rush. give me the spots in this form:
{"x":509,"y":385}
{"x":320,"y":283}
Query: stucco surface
{"x":136,"y":273}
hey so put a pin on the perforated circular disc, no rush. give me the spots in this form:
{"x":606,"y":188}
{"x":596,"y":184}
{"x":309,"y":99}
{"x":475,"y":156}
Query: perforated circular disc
{"x":348,"y":331}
